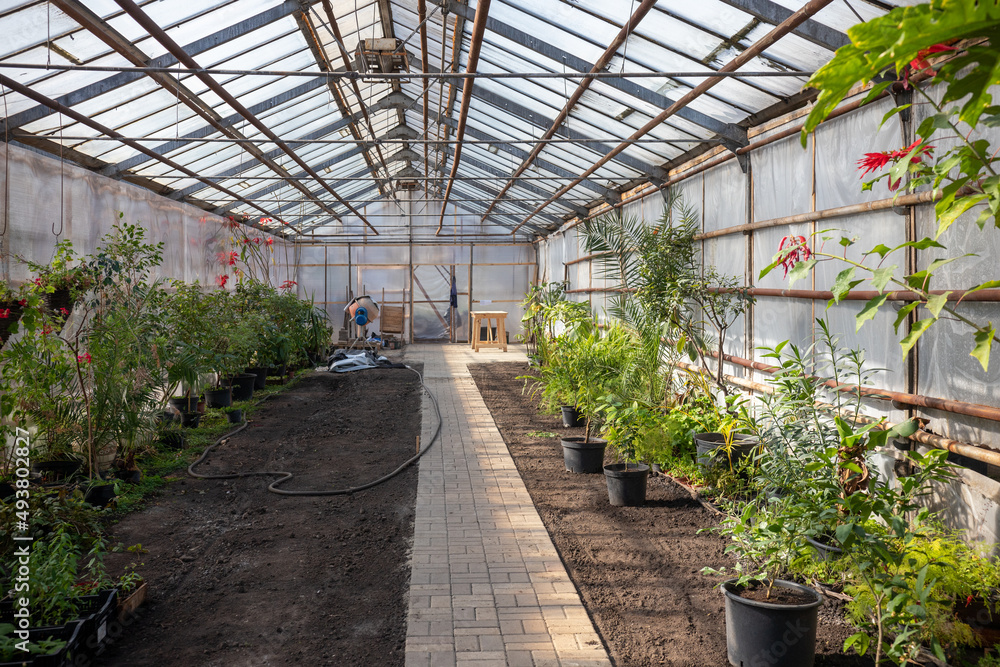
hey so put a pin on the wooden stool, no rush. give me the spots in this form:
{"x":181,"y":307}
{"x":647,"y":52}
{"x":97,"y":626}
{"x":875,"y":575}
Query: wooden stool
{"x":478,"y":316}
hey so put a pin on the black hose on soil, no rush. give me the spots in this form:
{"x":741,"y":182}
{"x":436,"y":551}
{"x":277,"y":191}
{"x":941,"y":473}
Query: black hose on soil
{"x":285,"y":476}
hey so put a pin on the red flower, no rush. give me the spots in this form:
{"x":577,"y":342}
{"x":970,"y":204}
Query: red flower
{"x":232,"y":258}
{"x":288,"y":284}
{"x":23,"y":302}
{"x":270,"y":242}
{"x":875,"y":161}
{"x":256,"y":240}
{"x":46,"y":330}
{"x":222,"y":280}
{"x":920,"y":63}
{"x":797,"y":251}
{"x":266,"y":220}
{"x":65,"y":313}
{"x":5,"y":313}
{"x":246,"y":240}
{"x":84,"y":358}
{"x":37,"y":281}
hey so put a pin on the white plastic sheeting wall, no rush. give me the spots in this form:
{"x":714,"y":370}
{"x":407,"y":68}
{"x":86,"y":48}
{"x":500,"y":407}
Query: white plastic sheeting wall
{"x":786,"y":179}
{"x":43,"y":200}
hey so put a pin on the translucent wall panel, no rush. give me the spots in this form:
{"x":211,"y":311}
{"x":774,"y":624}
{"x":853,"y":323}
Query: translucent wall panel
{"x":782,"y":179}
{"x":50,"y":201}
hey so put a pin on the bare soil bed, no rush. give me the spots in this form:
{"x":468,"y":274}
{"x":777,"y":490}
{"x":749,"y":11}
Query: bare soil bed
{"x":638,"y":569}
{"x":241,"y":576}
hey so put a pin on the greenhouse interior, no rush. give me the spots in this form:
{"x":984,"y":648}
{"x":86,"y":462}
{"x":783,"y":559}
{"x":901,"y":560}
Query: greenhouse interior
{"x":327,"y":287}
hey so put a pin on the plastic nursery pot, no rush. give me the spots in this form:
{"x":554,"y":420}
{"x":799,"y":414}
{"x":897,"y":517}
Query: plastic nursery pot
{"x":243,"y":386}
{"x":190,"y":419}
{"x":173,"y":440}
{"x":56,"y":470}
{"x":184,"y":403}
{"x":824,"y":552}
{"x":100,"y":495}
{"x":626,"y":483}
{"x":769,"y":633}
{"x":219,"y":398}
{"x":129,"y":476}
{"x":277,"y":371}
{"x":572,"y":417}
{"x":584,"y":457}
{"x":708,"y":443}
{"x":260,"y":379}
{"x":235,"y":416}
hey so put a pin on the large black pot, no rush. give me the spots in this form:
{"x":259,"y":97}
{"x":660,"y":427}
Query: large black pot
{"x":277,"y":371}
{"x":219,"y":398}
{"x":243,"y":386}
{"x":572,"y":418}
{"x":56,"y":470}
{"x":260,"y":381}
{"x":627,"y":483}
{"x":824,"y":551}
{"x":581,"y":456}
{"x":707,"y":444}
{"x":190,"y":419}
{"x":173,"y":439}
{"x":765,"y":633}
{"x":184,"y":403}
{"x":100,"y":495}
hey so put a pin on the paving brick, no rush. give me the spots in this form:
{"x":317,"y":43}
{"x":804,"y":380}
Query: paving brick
{"x":487,"y":586}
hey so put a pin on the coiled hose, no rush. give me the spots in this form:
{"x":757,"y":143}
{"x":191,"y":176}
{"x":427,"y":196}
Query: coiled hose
{"x":284,"y":476}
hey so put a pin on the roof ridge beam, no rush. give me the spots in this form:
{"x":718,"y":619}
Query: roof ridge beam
{"x":475,"y":44}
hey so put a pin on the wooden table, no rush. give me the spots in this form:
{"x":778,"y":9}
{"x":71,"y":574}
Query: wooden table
{"x":478,"y":317}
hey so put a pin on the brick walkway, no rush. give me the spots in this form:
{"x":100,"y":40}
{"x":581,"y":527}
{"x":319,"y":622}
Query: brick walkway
{"x":487,"y":586}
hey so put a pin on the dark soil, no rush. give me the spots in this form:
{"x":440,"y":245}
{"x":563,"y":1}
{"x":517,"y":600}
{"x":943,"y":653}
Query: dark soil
{"x":775,"y":595}
{"x":241,"y":576}
{"x":638,"y":569}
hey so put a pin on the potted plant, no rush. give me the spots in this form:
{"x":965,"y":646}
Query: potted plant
{"x":62,"y":283}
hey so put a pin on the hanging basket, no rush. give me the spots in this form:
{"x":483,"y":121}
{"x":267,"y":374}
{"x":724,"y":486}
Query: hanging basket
{"x":59,"y":301}
{"x":13,"y":313}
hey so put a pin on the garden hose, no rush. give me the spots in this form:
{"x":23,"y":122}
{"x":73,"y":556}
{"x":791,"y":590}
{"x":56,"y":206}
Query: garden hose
{"x":285,"y":476}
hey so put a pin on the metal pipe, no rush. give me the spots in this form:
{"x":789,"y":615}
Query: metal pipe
{"x":985,"y":295}
{"x":475,"y":44}
{"x":157,"y":33}
{"x":917,"y":400}
{"x":381,"y":76}
{"x":753,"y":51}
{"x":354,"y":82}
{"x":424,"y":66}
{"x":89,"y":122}
{"x":826,"y":214}
{"x":974,"y":452}
{"x":640,"y":13}
{"x":376,"y":142}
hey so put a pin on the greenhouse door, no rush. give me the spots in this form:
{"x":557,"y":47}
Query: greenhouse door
{"x":433,"y":317}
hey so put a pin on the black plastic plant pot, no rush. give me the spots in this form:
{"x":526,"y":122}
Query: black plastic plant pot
{"x":626,"y":483}
{"x":243,"y":386}
{"x":7,"y":324}
{"x":584,"y":457}
{"x":190,"y":419}
{"x":260,"y":381}
{"x":709,"y":453}
{"x":572,"y":417}
{"x":824,"y":552}
{"x":67,"y":655}
{"x":235,"y":416}
{"x":277,"y":371}
{"x":56,"y":470}
{"x":766,"y":633}
{"x":184,"y":403}
{"x":219,"y":398}
{"x":100,"y":495}
{"x":129,"y":476}
{"x":173,"y":440}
